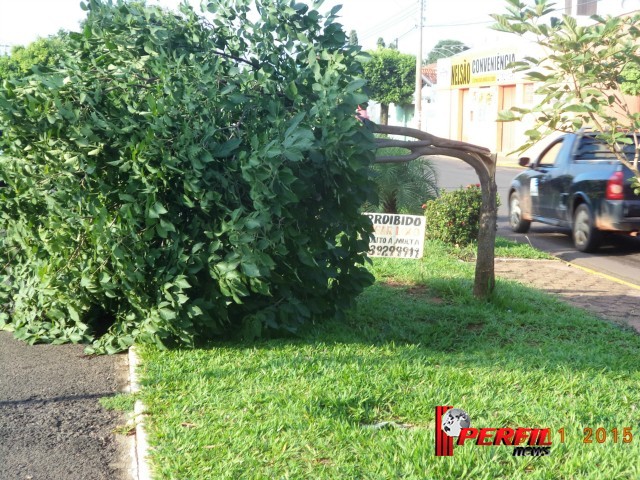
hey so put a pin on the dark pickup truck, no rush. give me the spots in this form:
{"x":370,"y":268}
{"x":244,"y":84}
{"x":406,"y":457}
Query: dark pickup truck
{"x":577,"y":183}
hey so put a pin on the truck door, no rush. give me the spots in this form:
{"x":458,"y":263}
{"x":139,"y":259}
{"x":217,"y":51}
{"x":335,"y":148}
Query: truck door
{"x":544,"y":171}
{"x":552,"y":167}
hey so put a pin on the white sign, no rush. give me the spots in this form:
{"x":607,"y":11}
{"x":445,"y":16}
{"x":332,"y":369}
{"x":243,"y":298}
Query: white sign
{"x":399,"y":236}
{"x":533,"y":187}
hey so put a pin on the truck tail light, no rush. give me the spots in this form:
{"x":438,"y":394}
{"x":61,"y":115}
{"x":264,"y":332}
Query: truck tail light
{"x":615,"y":187}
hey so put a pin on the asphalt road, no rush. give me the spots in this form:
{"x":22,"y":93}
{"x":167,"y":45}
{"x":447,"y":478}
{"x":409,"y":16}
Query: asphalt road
{"x":618,"y":257}
{"x":52,"y":426}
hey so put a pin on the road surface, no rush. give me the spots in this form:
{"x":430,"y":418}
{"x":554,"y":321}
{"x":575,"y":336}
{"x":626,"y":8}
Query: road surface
{"x":618,"y":257}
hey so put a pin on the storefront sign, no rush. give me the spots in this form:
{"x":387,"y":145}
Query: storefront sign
{"x":481,"y":68}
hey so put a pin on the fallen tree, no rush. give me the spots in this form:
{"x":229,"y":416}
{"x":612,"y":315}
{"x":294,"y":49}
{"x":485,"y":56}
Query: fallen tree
{"x":178,"y":178}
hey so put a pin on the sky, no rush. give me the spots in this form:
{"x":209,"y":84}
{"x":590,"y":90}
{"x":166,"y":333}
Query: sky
{"x":22,"y":21}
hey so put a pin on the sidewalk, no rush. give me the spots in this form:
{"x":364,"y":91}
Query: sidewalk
{"x":616,"y":301}
{"x":52,"y":426}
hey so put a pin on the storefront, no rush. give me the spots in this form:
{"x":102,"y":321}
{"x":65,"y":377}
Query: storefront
{"x":472,"y":88}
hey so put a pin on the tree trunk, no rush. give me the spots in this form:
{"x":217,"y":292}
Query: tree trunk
{"x":485,"y":275}
{"x":390,"y":204}
{"x":384,"y":114}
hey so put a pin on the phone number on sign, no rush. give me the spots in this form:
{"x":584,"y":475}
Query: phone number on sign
{"x":392,"y":251}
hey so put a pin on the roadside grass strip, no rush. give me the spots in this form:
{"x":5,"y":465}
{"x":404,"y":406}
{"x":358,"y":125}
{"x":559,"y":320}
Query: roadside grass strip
{"x":505,"y":248}
{"x":355,"y":399}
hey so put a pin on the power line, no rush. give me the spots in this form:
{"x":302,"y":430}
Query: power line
{"x":403,"y":15}
{"x":387,"y":24}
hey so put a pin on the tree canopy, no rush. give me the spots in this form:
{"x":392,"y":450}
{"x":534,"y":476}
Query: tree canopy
{"x":445,"y":49}
{"x":631,"y":79}
{"x":390,"y":77}
{"x":177,"y":178}
{"x":45,"y":52}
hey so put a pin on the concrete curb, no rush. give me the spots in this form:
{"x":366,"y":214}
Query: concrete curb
{"x":140,"y":447}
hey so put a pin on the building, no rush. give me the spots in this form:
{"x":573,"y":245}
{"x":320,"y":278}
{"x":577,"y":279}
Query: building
{"x":599,"y":7}
{"x":475,"y":85}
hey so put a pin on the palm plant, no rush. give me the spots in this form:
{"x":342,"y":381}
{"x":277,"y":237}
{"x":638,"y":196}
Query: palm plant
{"x":405,"y":187}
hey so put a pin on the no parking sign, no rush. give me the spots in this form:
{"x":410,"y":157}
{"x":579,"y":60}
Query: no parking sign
{"x":399,"y":236}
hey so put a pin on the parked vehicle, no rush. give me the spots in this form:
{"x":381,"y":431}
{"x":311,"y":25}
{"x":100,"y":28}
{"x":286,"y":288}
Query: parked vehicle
{"x":577,"y":183}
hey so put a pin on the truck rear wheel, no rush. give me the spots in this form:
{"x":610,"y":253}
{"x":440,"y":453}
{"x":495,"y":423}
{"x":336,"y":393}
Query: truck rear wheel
{"x":586,"y":237}
{"x":516,"y":221}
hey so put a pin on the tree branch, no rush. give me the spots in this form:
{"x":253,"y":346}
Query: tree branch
{"x":425,"y":139}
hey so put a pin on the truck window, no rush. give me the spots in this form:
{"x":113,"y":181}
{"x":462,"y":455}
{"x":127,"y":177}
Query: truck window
{"x":550,"y":156}
{"x":591,"y":149}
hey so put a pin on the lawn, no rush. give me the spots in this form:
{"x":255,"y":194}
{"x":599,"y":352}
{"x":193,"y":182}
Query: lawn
{"x":315,"y":406}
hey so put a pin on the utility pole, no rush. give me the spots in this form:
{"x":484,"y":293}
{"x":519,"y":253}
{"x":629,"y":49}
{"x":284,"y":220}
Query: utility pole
{"x":418,"y":109}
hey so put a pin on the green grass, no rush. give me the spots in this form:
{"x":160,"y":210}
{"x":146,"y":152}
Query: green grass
{"x":122,"y":402}
{"x":504,"y":249}
{"x":304,"y":408}
{"x":510,"y":249}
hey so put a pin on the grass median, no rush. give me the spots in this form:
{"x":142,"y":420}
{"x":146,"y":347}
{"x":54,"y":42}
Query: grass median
{"x":355,"y":399}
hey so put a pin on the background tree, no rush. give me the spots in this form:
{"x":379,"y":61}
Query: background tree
{"x":445,"y":49}
{"x":380,"y":43}
{"x":44,"y":52}
{"x":631,"y":79}
{"x":579,"y":75}
{"x":353,"y":38}
{"x":390,"y":77}
{"x":177,"y":178}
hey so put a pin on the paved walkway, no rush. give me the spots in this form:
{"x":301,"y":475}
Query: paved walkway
{"x":52,"y":426}
{"x":605,"y":297}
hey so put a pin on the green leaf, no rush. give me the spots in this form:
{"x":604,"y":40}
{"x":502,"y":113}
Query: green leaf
{"x":73,"y":314}
{"x":577,"y":108}
{"x":182,"y":282}
{"x":227,"y":148}
{"x":156,"y":210}
{"x":167,"y":313}
{"x":538,"y":76}
{"x":250,"y":269}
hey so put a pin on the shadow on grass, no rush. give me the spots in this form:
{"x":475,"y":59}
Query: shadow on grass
{"x":520,"y":328}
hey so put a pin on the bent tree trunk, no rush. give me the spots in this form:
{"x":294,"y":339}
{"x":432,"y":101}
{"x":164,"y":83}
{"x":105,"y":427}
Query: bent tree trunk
{"x":483,"y":162}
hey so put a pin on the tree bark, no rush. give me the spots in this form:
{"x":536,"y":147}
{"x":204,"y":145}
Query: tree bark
{"x":384,"y":113}
{"x":485,"y":281}
{"x":483,"y":162}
